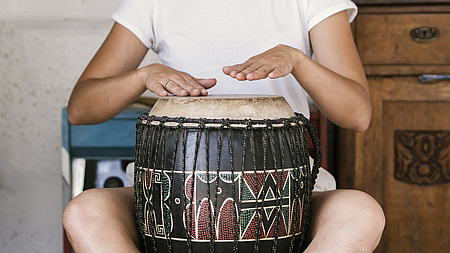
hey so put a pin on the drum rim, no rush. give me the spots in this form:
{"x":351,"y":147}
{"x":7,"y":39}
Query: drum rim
{"x":224,"y":106}
{"x":176,"y":122}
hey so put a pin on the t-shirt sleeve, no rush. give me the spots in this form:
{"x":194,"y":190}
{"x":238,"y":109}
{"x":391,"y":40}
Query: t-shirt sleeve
{"x":136,"y":16}
{"x":319,"y":10}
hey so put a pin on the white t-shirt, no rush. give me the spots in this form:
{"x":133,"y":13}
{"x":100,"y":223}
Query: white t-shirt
{"x":200,"y":37}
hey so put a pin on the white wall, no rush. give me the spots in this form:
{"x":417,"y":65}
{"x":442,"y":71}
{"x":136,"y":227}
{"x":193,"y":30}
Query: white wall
{"x":44,"y":46}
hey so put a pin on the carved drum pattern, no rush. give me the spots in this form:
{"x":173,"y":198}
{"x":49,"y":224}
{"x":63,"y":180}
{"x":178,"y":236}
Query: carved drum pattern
{"x":223,"y":185}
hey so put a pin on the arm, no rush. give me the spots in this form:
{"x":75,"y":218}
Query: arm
{"x":336,"y":82}
{"x":112,"y":81}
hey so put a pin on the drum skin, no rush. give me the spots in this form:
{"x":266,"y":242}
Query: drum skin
{"x":225,"y":184}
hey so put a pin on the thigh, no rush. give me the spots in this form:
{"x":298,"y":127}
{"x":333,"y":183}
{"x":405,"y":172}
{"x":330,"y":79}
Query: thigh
{"x":116,"y":205}
{"x":102,"y":218}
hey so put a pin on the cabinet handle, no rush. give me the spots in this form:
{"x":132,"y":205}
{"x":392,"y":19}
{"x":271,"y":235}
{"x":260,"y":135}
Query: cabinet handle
{"x":424,"y":34}
{"x":430,"y":78}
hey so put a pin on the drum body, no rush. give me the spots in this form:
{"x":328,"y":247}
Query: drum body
{"x":225,"y":184}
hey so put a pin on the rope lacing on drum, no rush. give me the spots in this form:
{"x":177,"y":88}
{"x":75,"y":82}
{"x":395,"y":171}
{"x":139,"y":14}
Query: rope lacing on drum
{"x":233,"y":190}
{"x":151,"y":158}
{"x":316,"y":145}
{"x":264,"y":168}
{"x":219,"y":154}
{"x":208,"y":179}
{"x":255,"y":178}
{"x":162,"y":166}
{"x":140,"y":130}
{"x":315,"y":168}
{"x":245,"y":130}
{"x":180,"y":122}
{"x":277,"y":193}
{"x":295,"y":154}
{"x":297,"y":151}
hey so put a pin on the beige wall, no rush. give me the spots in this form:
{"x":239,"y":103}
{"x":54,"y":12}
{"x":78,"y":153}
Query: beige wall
{"x":44,"y":46}
{"x":57,"y":9}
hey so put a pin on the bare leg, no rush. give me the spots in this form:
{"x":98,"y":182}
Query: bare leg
{"x":344,"y":221}
{"x":102,"y":220}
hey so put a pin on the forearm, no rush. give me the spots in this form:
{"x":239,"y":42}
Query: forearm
{"x":343,"y":100}
{"x":97,"y":100}
{"x":342,"y":94}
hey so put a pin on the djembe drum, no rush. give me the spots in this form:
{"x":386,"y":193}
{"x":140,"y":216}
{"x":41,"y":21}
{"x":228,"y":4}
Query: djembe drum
{"x":223,"y":174}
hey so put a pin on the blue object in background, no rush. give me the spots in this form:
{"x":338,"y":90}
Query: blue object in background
{"x":96,"y":156}
{"x":114,"y":138}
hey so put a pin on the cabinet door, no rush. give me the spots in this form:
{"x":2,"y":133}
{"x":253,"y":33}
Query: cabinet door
{"x":403,"y":161}
{"x":416,"y":176}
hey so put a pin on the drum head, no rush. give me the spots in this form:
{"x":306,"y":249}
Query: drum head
{"x":255,"y":107}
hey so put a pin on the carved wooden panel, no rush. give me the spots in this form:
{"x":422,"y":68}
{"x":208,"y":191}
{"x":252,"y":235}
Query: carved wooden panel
{"x":422,"y":157}
{"x":410,"y":127}
{"x":403,"y":158}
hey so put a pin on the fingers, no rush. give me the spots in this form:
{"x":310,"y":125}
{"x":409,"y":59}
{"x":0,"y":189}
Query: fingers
{"x":238,"y":68}
{"x":175,"y":89}
{"x":206,"y":83}
{"x":276,"y":73}
{"x":259,"y":73}
{"x":163,"y":80}
{"x":188,"y":86}
{"x":252,"y":72}
{"x":273,"y":63}
{"x":160,"y":91}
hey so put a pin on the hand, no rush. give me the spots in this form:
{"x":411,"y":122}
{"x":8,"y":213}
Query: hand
{"x":273,"y":63}
{"x":163,"y":80}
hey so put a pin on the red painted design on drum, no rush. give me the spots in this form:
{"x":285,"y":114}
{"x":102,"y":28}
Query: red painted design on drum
{"x":188,"y":187}
{"x":190,"y":207}
{"x":296,"y":212}
{"x":174,"y":200}
{"x":279,"y":220}
{"x":148,"y":179}
{"x":251,"y":231}
{"x":149,"y":225}
{"x":227,"y":216}
{"x":255,"y":187}
{"x":189,"y":221}
{"x":204,"y":220}
{"x":280,"y":178}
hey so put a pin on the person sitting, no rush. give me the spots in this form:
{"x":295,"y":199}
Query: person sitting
{"x":293,"y":49}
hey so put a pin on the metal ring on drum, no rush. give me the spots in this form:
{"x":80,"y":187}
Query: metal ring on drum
{"x":223,"y":174}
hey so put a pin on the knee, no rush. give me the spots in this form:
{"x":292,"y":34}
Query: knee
{"x":79,"y":211}
{"x":350,"y":220}
{"x":366,"y":215}
{"x":365,"y":208}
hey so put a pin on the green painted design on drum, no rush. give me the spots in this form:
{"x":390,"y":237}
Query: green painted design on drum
{"x":165,"y":186}
{"x":287,"y":189}
{"x":167,"y":220}
{"x":268,"y":211}
{"x":285,"y":211}
{"x":269,"y":194}
{"x":246,"y":193}
{"x":204,"y":176}
{"x":246,"y":218}
{"x":147,"y":156}
{"x":228,"y":177}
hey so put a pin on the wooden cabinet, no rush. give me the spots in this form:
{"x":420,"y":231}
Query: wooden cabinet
{"x":403,"y":159}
